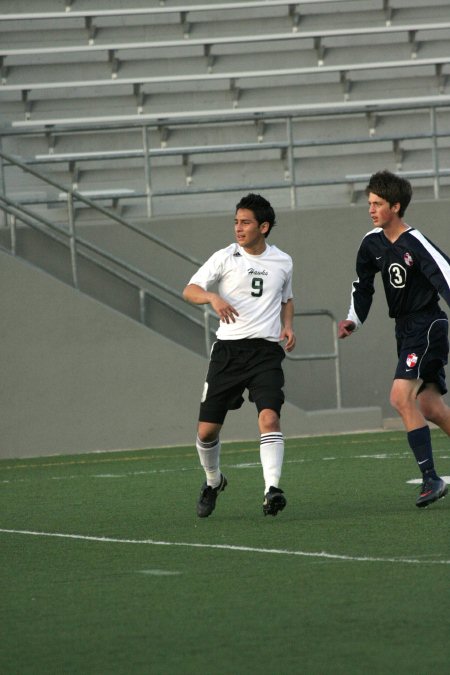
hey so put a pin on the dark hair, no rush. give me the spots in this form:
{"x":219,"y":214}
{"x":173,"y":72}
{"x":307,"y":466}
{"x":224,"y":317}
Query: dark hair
{"x":262,"y":209}
{"x":394,"y":189}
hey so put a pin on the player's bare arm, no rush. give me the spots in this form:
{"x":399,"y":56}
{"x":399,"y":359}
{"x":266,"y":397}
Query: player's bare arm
{"x":287,"y":318}
{"x":198,"y":296}
{"x":345,"y":328}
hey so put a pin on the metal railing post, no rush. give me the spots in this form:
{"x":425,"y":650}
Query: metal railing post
{"x":435,"y":152}
{"x":142,"y":312}
{"x":72,"y":239}
{"x":291,"y":162}
{"x":147,"y":170}
{"x":2,"y":184}
{"x":13,"y":233}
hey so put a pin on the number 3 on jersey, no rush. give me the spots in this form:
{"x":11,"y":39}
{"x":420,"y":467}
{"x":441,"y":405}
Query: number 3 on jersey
{"x":397,"y":275}
{"x":257,"y":285}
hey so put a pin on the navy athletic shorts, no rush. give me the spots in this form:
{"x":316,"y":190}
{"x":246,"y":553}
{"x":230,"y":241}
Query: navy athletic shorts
{"x":422,"y":347}
{"x":236,"y":365}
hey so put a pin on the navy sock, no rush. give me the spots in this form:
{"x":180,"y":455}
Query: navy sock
{"x":420,"y":443}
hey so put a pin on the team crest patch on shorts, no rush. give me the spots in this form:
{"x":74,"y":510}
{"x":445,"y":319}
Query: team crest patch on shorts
{"x":411,"y":360}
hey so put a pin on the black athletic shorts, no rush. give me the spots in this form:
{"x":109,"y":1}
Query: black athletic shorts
{"x":422,"y":347}
{"x":236,"y":365}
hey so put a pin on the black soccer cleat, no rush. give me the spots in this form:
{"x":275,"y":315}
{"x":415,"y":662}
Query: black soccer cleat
{"x":208,"y":495}
{"x":432,"y":489}
{"x":274,"y":501}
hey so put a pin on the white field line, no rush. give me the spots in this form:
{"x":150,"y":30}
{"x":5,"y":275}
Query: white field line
{"x":194,"y":467}
{"x":418,"y":481}
{"x":159,"y":573}
{"x":229,"y":547}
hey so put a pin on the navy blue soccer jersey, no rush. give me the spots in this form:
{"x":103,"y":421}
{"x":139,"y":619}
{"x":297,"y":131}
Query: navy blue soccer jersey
{"x":415,"y":274}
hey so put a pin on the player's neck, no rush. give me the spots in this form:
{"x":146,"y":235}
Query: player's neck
{"x":394,"y":229}
{"x":255,"y":249}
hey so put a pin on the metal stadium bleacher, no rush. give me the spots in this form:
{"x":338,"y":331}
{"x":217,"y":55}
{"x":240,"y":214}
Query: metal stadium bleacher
{"x":147,"y":107}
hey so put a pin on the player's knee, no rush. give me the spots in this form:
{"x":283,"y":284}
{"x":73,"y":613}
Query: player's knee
{"x":399,"y":401}
{"x":433,"y":407}
{"x":428,"y":411}
{"x":439,"y":415}
{"x":269,"y":420}
{"x":395,"y":401}
{"x":207,"y":432}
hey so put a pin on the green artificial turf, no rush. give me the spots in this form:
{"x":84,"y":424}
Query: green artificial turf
{"x":107,"y":569}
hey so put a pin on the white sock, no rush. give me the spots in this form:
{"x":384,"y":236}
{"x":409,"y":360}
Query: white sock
{"x":271,"y":452}
{"x":209,"y":454}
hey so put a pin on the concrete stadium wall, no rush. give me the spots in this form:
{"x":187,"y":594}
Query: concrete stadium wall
{"x":78,"y":376}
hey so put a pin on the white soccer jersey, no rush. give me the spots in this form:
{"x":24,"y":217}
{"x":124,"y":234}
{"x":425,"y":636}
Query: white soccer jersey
{"x":255,"y":285}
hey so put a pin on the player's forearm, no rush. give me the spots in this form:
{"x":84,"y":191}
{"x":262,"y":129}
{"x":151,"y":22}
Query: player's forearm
{"x":287,"y":314}
{"x":197,"y":295}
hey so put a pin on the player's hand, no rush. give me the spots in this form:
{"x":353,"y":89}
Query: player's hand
{"x":226,"y":312}
{"x":345,"y":328}
{"x":289,"y":336}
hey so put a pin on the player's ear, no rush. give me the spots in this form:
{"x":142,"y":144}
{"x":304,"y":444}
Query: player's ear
{"x":264,"y":227}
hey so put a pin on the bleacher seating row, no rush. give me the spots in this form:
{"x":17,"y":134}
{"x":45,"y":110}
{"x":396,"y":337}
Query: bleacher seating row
{"x":54,"y":69}
{"x":358,"y":80}
{"x":136,"y":104}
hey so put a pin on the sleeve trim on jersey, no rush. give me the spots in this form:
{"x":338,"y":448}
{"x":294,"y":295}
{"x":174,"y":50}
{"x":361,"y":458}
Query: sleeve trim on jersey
{"x":439,"y":259}
{"x":352,"y":315}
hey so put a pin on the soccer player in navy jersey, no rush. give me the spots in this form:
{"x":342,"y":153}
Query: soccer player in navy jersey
{"x":255,"y":306}
{"x":415,"y":273}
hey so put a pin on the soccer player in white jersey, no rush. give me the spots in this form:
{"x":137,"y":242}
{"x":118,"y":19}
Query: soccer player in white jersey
{"x":414,"y":273}
{"x":255,"y":306}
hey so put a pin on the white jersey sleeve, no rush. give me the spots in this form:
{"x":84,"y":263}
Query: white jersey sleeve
{"x":256,"y":286}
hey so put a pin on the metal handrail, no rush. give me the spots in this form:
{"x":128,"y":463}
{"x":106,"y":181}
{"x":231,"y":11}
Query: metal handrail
{"x":45,"y":226}
{"x":74,"y":241}
{"x":175,"y":151}
{"x":71,"y":238}
{"x":334,"y":355}
{"x":73,"y":194}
